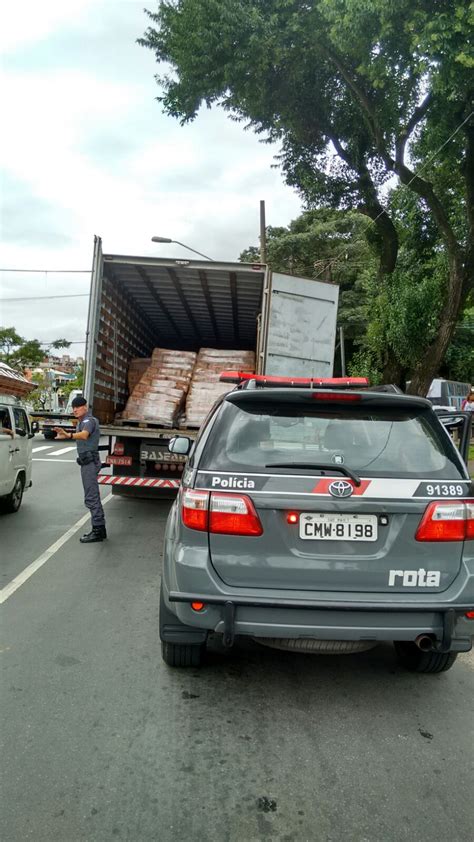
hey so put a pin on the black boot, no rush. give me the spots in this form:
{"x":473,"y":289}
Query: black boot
{"x":98,"y":534}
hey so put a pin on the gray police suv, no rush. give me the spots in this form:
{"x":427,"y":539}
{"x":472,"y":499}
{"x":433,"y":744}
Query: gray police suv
{"x":315,"y":518}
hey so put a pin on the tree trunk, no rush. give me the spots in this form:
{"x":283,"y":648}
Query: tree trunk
{"x":432,"y":358}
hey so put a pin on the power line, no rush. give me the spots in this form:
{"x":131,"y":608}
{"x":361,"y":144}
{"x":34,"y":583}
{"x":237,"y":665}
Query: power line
{"x":51,"y":271}
{"x":48,"y":297}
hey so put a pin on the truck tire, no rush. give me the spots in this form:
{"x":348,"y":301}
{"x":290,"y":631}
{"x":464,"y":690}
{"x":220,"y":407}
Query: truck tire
{"x":183,"y":654}
{"x":413,"y":659}
{"x":12,"y":502}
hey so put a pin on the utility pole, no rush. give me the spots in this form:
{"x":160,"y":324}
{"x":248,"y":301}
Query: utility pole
{"x":343,"y":351}
{"x":263,"y":233}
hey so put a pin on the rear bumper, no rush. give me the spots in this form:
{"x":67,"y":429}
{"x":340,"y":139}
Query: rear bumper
{"x":232,"y":615}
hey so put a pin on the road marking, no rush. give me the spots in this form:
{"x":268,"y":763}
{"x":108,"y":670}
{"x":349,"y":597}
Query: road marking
{"x":62,"y":450}
{"x":43,"y":447}
{"x":38,"y":459}
{"x":23,"y":577}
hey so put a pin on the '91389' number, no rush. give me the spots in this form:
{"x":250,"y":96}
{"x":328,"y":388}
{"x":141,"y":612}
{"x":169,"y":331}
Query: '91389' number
{"x":444,"y":490}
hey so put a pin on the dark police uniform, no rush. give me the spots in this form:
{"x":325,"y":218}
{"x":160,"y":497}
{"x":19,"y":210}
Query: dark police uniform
{"x":90,"y":462}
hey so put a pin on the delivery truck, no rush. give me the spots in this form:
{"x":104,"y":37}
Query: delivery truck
{"x":138,"y":304}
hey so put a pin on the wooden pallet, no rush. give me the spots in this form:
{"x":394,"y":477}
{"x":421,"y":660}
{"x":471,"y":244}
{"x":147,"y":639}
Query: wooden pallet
{"x":142,"y":425}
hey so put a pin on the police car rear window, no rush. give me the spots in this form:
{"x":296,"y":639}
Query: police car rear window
{"x":372,"y":442}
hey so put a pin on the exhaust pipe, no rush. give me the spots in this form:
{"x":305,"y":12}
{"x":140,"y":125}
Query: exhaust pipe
{"x":424,"y":642}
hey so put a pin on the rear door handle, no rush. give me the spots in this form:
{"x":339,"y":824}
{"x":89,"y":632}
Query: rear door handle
{"x":16,"y":450}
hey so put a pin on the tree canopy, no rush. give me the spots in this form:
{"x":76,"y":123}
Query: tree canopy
{"x":356,"y":92}
{"x":20,"y":353}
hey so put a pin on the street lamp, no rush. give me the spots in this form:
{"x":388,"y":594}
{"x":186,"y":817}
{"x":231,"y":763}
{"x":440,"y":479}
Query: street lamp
{"x":169,"y":240}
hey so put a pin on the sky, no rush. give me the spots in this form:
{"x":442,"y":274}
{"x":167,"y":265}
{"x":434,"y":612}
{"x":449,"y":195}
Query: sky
{"x":85,"y":149}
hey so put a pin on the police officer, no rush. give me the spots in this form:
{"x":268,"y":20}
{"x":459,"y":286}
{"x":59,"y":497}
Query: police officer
{"x":87,"y":436}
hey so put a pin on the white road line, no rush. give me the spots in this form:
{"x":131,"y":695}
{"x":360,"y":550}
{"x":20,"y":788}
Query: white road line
{"x":23,"y":577}
{"x":62,"y":450}
{"x":43,"y":447}
{"x":38,"y":459}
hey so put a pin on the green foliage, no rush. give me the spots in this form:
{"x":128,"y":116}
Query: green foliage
{"x":332,"y":246}
{"x":354,"y":91}
{"x":459,"y":361}
{"x":21,"y":353}
{"x":77,"y":383}
{"x":41,"y":396}
{"x":343,"y":72}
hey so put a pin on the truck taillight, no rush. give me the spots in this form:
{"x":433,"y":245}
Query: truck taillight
{"x":224,"y":514}
{"x":447,"y":521}
{"x":233,"y":514}
{"x":195,"y":509}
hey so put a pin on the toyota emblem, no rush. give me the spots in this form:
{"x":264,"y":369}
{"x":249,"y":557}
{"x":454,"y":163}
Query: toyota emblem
{"x":341,"y":488}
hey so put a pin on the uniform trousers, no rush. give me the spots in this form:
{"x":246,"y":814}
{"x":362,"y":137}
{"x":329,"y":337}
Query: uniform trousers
{"x":91,"y":491}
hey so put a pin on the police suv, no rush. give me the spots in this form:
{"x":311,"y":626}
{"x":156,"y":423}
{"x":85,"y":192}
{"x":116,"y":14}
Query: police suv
{"x":322,"y":516}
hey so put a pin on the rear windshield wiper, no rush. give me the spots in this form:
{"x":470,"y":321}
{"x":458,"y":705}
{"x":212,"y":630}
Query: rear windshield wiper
{"x":320,"y":466}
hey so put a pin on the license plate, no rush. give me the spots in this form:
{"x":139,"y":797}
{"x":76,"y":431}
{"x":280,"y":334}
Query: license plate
{"x":119,"y":460}
{"x":338,"y":527}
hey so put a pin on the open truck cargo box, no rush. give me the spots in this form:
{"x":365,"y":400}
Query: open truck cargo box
{"x":139,"y":303}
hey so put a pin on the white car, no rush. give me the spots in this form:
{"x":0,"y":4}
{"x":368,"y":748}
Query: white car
{"x":16,"y":434}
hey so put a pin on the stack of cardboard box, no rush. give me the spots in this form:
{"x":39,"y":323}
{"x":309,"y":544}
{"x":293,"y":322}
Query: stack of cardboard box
{"x":136,"y":370}
{"x":205,"y":386}
{"x":161,"y":392}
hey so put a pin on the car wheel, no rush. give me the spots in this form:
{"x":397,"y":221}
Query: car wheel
{"x":413,"y":659}
{"x":182,"y":654}
{"x":12,"y":501}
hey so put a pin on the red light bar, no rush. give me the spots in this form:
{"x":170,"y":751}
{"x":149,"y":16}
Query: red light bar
{"x":299,"y":382}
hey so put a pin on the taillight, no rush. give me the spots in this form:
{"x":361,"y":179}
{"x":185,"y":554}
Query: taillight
{"x":233,"y":514}
{"x":451,"y":520}
{"x":195,"y":509}
{"x":228,"y":514}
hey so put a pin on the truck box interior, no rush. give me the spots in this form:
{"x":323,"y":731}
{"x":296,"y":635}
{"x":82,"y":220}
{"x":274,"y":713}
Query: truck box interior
{"x":138,"y":304}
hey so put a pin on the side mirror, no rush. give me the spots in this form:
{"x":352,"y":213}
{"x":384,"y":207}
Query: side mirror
{"x":35,"y":427}
{"x":180,"y":444}
{"x":19,"y":432}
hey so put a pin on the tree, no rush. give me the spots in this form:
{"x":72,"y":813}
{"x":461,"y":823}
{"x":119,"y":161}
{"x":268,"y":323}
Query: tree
{"x":21,"y":353}
{"x":356,"y":92}
{"x":41,"y":396}
{"x":77,"y":383}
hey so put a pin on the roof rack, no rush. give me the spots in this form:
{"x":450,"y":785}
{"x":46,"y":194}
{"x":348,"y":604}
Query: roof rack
{"x":247,"y":380}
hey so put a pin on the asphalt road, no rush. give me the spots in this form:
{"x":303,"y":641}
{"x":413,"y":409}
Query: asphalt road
{"x":101,"y":741}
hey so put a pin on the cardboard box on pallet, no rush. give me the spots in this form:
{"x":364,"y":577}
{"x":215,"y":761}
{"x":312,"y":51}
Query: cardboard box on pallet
{"x":160,"y":393}
{"x":136,"y":369}
{"x":205,"y":386}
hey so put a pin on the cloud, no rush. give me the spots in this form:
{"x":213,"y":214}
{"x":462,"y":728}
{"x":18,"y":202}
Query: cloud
{"x":30,"y":220}
{"x":30,"y":21}
{"x":86,"y":150}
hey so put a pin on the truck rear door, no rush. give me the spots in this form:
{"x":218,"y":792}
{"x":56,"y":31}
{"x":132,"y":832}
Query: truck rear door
{"x":298,"y":330}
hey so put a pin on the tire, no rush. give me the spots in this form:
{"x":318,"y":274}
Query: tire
{"x":182,"y":654}
{"x":12,"y":502}
{"x":414,"y":660}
